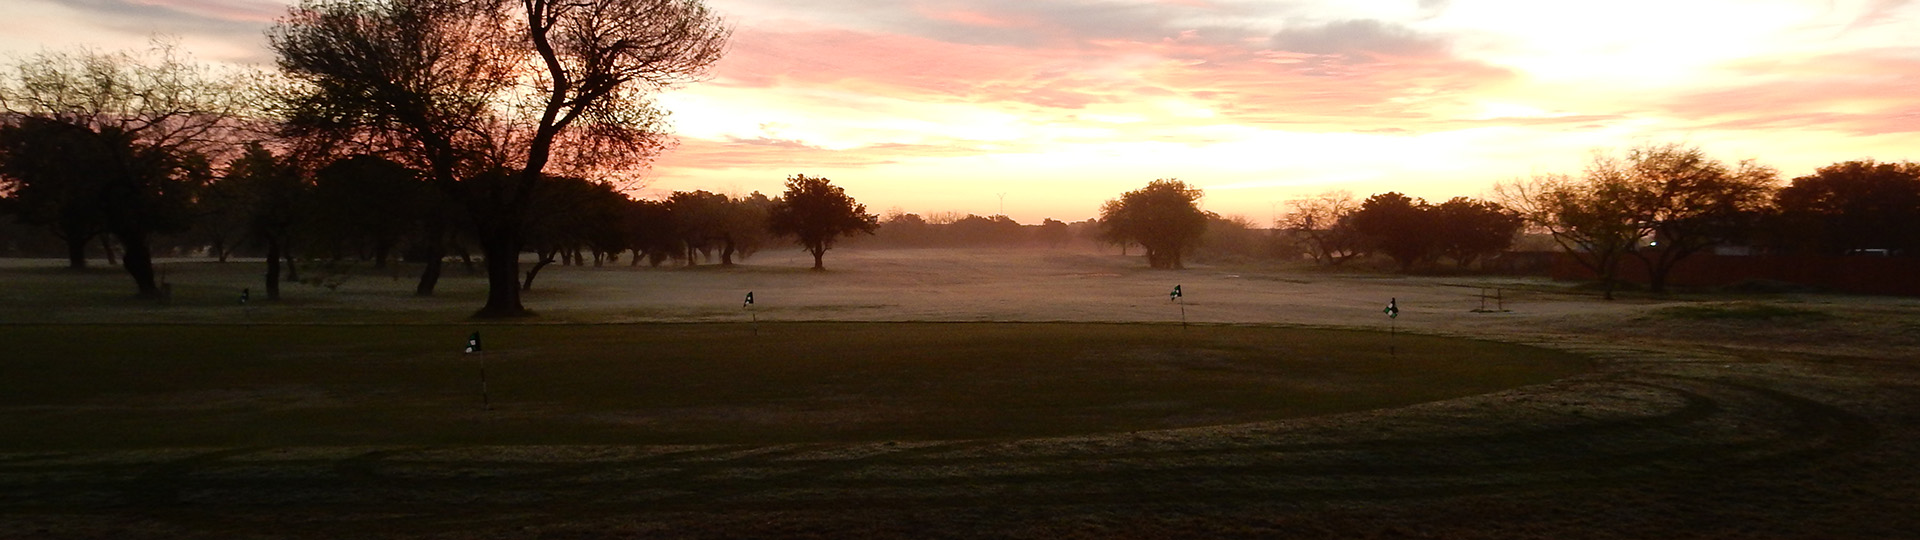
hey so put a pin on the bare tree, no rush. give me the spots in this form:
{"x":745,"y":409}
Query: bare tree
{"x":1585,"y":217}
{"x":1320,"y":221}
{"x":486,"y":95}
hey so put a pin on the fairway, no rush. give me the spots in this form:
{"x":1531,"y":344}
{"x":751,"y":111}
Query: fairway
{"x":155,"y":386}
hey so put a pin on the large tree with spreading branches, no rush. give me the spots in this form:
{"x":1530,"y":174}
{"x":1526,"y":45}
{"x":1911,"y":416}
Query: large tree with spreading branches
{"x":487,"y":96}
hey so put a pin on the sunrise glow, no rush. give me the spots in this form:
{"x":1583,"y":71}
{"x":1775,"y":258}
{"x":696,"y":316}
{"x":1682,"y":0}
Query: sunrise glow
{"x":941,"y":106}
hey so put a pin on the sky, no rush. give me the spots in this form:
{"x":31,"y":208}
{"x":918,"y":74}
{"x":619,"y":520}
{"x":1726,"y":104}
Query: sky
{"x":1045,"y":109}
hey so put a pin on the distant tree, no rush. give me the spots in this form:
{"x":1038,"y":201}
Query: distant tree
{"x":816,"y":213}
{"x":1322,"y":225}
{"x":1054,"y":232}
{"x":272,"y":194}
{"x":1852,"y":205}
{"x":1232,"y":238}
{"x":1164,"y":218}
{"x":906,"y":230}
{"x":128,"y":135}
{"x":1399,"y":226}
{"x":571,"y":214}
{"x":1686,"y":201}
{"x":649,"y":232}
{"x":46,"y":186}
{"x":485,"y":95}
{"x":1467,"y":229}
{"x":370,"y":205}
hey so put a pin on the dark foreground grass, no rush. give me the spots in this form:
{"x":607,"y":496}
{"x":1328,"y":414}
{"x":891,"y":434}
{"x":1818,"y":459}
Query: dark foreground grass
{"x":130,"y":387}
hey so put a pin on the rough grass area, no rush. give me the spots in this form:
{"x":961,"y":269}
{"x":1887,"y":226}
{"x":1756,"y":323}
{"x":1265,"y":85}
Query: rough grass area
{"x":1741,"y":311}
{"x":111,"y":386}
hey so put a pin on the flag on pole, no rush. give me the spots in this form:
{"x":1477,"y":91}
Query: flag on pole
{"x":1393,"y":308}
{"x":1175,"y":295}
{"x":749,"y":301}
{"x":473,"y":343}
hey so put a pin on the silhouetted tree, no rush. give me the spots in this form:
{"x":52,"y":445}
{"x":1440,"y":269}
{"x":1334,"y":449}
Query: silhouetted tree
{"x":1054,"y":232}
{"x":1468,"y":229}
{"x":816,"y":213}
{"x":1852,"y":205}
{"x":1164,"y":218}
{"x":1322,"y":223}
{"x":1686,"y":201}
{"x":371,"y":204}
{"x":649,"y":232}
{"x":492,"y":92}
{"x":1399,"y":226}
{"x":272,"y":195}
{"x":126,"y":134}
{"x":570,"y":214}
{"x":46,"y":186}
{"x":1586,"y":217}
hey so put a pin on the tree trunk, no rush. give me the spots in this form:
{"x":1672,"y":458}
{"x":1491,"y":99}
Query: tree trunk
{"x":106,"y":244}
{"x":436,"y":250}
{"x":545,"y":259}
{"x":726,"y":250}
{"x":286,"y":252}
{"x":819,"y":252}
{"x":138,"y":261}
{"x":273,"y":269}
{"x":501,"y":247}
{"x":77,"y":252}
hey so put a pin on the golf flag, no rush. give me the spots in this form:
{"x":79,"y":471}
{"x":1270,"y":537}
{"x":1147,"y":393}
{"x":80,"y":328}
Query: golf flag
{"x":1175,"y":295}
{"x":243,"y":295}
{"x":473,"y":343}
{"x":1393,"y":308}
{"x":749,"y":301}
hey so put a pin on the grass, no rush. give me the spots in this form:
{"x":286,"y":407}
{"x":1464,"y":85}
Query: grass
{"x":1741,"y":311}
{"x":143,"y":386}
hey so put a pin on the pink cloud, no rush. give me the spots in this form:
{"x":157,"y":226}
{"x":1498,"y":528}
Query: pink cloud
{"x":1862,"y":92}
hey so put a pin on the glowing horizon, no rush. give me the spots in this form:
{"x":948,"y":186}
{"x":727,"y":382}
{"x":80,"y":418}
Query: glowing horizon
{"x":940,"y":106}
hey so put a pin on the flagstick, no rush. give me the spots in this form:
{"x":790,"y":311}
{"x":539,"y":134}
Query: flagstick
{"x":486,"y":399}
{"x":1183,"y":312}
{"x":756,"y":320}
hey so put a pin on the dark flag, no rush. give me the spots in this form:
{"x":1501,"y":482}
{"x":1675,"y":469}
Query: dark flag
{"x":473,"y":343}
{"x":1175,"y":295}
{"x":749,"y":300}
{"x":1393,"y":308}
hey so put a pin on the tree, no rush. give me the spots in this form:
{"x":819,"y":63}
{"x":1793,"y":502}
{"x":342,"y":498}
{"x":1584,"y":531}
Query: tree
{"x":1321,"y":222}
{"x":1054,"y":232}
{"x":1467,"y":229}
{"x":1164,"y":218}
{"x":119,"y":140}
{"x":272,"y":195}
{"x":371,"y":205}
{"x":817,"y":213}
{"x":1853,"y":205}
{"x":1686,"y":201}
{"x":1399,"y":226}
{"x":485,"y":95}
{"x":1585,"y":216}
{"x":570,"y":214}
{"x":48,"y":187}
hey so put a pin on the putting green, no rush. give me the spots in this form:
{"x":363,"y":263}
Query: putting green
{"x":108,"y":386}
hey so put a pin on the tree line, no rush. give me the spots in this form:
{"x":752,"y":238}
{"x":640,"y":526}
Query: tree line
{"x":449,"y":123}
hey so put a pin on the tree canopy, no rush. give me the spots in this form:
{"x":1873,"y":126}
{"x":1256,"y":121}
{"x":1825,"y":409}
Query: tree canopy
{"x":485,"y":95}
{"x":817,"y":213}
{"x":1164,"y":217}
